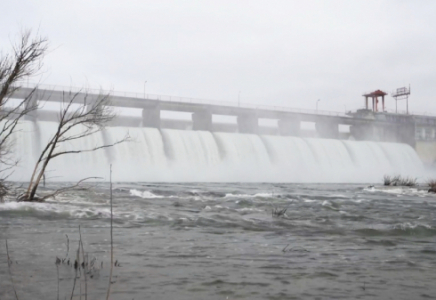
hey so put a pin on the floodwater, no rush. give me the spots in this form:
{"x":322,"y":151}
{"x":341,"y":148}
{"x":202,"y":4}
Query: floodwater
{"x":221,"y":241}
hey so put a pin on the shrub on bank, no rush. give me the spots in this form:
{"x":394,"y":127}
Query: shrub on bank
{"x":398,"y":180}
{"x":432,"y":185}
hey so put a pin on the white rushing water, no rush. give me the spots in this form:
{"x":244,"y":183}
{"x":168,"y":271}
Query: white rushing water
{"x":176,"y":155}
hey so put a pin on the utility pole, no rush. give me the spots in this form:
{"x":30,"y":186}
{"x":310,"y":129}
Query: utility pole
{"x":400,"y":94}
{"x":239,"y":98}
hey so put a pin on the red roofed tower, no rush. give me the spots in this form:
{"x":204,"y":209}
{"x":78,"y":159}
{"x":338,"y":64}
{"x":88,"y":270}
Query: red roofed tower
{"x":374,"y":96}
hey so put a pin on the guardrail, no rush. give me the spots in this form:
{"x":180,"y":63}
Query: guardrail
{"x":404,"y":112}
{"x":178,"y":99}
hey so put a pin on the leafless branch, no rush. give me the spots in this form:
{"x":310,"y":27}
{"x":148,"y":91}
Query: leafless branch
{"x":24,"y":61}
{"x":93,"y":149}
{"x":76,"y":269}
{"x":90,"y":114}
{"x":68,"y":246}
{"x":62,"y":190}
{"x":84,"y":265}
{"x":112,"y":240}
{"x":9,"y":269}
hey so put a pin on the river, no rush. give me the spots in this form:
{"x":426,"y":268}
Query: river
{"x":222,"y":241}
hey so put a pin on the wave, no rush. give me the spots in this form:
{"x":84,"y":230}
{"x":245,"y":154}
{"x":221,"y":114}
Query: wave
{"x":54,"y":210}
{"x":258,"y":195}
{"x":144,"y":194}
{"x":402,"y":229}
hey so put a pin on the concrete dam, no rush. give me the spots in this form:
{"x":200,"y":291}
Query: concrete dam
{"x":200,"y":149}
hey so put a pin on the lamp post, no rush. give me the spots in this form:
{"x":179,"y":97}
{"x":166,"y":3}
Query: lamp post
{"x":144,"y":87}
{"x":317,"y":105}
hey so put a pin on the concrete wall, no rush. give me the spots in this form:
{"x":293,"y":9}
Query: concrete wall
{"x":426,"y":151}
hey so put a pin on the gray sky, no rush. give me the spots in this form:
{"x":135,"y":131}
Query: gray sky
{"x":287,"y":53}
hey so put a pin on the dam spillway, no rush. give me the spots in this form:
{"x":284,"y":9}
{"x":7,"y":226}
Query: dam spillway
{"x":155,"y":155}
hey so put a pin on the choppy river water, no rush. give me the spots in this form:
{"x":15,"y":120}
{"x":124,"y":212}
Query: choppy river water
{"x":221,"y":241}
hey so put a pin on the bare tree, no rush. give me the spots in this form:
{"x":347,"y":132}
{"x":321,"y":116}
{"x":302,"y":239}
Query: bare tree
{"x":23,"y":62}
{"x":78,"y":110}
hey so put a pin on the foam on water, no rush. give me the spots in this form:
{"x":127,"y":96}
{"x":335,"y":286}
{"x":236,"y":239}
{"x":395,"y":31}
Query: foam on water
{"x":56,"y":210}
{"x":258,"y":195}
{"x":144,"y":194}
{"x":400,"y":191}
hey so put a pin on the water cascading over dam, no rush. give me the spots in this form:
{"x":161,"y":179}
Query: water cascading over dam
{"x":178,"y":155}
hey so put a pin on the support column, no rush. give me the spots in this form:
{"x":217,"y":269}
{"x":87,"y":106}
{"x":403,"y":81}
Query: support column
{"x":32,"y":103}
{"x":327,"y":129}
{"x":388,"y":133}
{"x":248,"y":123}
{"x":202,"y":120}
{"x":290,"y":127}
{"x":406,"y":133}
{"x":89,"y":102}
{"x":360,"y":132}
{"x":151,"y":117}
{"x":364,"y":132}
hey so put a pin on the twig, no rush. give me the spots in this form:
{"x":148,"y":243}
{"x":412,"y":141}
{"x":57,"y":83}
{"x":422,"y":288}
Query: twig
{"x":276,"y":212}
{"x":9,"y":269}
{"x":112,"y":242}
{"x":57,"y":192}
{"x":76,"y":267}
{"x":80,"y":278}
{"x":84,"y":265}
{"x":57,"y":271}
{"x":295,"y":248}
{"x":68,"y":246}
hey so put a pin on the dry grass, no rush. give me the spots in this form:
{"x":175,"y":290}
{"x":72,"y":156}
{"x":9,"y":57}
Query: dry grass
{"x":398,"y":180}
{"x":408,"y":181}
{"x":279,"y":212}
{"x":84,"y":269}
{"x":387,"y":180}
{"x":432,"y":185}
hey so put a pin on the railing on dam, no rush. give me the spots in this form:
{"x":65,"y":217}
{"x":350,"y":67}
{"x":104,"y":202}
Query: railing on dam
{"x":177,"y":99}
{"x":364,"y":124}
{"x":404,"y":112}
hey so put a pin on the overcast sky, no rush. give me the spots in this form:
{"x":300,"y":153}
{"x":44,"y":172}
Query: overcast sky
{"x":287,"y":53}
